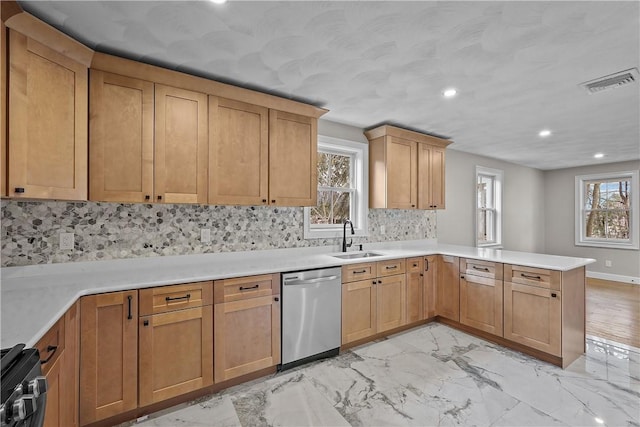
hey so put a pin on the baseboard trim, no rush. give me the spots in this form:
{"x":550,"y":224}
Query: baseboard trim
{"x":613,"y":277}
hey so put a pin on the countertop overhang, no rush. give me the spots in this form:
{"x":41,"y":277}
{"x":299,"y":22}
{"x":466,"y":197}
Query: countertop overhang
{"x":33,"y":298}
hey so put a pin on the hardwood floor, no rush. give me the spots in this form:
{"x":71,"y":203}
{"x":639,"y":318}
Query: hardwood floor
{"x":613,"y":311}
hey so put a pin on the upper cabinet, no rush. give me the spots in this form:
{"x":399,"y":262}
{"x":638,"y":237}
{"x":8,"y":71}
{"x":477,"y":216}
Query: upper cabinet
{"x":47,"y":146}
{"x":190,"y":140}
{"x":293,"y":147}
{"x":147,"y":142}
{"x":406,"y":169}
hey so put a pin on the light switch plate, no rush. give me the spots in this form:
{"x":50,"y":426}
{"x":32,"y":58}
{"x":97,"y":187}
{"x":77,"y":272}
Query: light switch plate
{"x":205,"y":235}
{"x":67,"y":240}
{"x":383,"y":229}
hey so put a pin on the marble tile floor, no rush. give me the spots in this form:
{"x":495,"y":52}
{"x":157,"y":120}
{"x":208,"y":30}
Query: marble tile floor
{"x":432,"y":375}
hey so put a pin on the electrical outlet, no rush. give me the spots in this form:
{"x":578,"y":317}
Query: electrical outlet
{"x":607,"y":263}
{"x":67,"y":240}
{"x":383,"y":229}
{"x":205,"y":235}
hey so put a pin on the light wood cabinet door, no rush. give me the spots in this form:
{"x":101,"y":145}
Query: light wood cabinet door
{"x":109,"y":355}
{"x":47,"y":147}
{"x":431,"y":161}
{"x":392,"y":302}
{"x":448,"y":288}
{"x":247,"y":336}
{"x":359,"y":310}
{"x":415,"y":290}
{"x":293,"y":147}
{"x":238,"y":153}
{"x":533,"y":317}
{"x":402,"y":172}
{"x":181,"y":146}
{"x":121,"y":138}
{"x":176,"y":354}
{"x":429,"y":280}
{"x":481,"y":303}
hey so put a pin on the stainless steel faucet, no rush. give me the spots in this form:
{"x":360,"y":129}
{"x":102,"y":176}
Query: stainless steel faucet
{"x":344,"y":235}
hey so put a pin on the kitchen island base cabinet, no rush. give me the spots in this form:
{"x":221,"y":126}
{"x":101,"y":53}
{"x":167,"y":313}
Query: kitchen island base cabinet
{"x":481,"y":295}
{"x":108,"y":355}
{"x":246,"y":325}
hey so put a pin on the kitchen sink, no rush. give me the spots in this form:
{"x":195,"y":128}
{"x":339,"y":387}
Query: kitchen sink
{"x":356,"y":255}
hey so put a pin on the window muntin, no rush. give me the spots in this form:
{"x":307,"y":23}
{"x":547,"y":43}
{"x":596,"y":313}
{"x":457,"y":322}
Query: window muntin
{"x":488,"y":207}
{"x":606,"y":210}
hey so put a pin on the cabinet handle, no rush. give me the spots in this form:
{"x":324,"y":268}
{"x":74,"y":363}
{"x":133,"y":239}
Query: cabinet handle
{"x":51,"y":349}
{"x":359,"y":271}
{"x":391,"y":267}
{"x":427,"y":265}
{"x":147,"y":197}
{"x":421,"y":275}
{"x":526,"y":276}
{"x":145,"y":323}
{"x":273,"y":201}
{"x":481,"y":268}
{"x":19,"y":190}
{"x":242,"y":288}
{"x":413,"y":206}
{"x":276,"y":299}
{"x":374,"y":282}
{"x":159,"y":197}
{"x":415,"y":265}
{"x":462,"y":277}
{"x":129,"y":316}
{"x":187,"y":296}
{"x":553,"y":295}
{"x":379,"y":282}
{"x":264,"y":200}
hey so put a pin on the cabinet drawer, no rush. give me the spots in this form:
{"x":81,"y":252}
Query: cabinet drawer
{"x":533,"y":276}
{"x":176,"y":297}
{"x":51,"y":345}
{"x":240,"y":288}
{"x":414,"y":265}
{"x":355,"y":272}
{"x":391,"y":267}
{"x":474,"y":267}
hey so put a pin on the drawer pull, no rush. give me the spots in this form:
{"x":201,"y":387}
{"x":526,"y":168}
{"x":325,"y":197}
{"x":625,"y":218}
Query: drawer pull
{"x":481,"y":268}
{"x":553,"y":295}
{"x":526,"y":276}
{"x":426,"y":265}
{"x":391,"y":267}
{"x":129,"y":298}
{"x":415,"y":265}
{"x":51,"y":350}
{"x":19,"y":190}
{"x":242,"y":288}
{"x":359,"y":271}
{"x":187,"y":296}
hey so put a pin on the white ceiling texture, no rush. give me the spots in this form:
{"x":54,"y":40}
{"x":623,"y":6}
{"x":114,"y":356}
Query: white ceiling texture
{"x":516,"y":65}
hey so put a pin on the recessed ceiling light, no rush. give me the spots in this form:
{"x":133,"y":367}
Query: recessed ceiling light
{"x":598,"y":155}
{"x":544,"y":133}
{"x":218,"y":1}
{"x":449,"y":93}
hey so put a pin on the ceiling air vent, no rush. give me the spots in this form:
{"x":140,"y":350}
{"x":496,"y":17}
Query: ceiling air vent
{"x":611,"y":81}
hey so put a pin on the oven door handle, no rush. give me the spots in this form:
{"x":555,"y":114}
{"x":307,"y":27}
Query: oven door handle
{"x":51,"y":350}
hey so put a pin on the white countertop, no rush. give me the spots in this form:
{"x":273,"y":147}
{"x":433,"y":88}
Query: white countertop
{"x":33,"y":298}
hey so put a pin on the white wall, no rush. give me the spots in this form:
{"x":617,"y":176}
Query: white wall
{"x":560,"y":221}
{"x":523,"y":203}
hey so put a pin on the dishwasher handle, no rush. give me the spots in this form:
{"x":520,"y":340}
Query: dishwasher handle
{"x":309,"y":281}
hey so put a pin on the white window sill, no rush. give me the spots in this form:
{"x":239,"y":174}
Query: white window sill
{"x":608,"y":245}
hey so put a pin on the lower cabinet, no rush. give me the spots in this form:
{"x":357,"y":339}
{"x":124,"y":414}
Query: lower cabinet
{"x":481,"y":297}
{"x":108,"y":355}
{"x":415,"y":290}
{"x":246,"y":325}
{"x":448,"y":288}
{"x":430,"y":279}
{"x":175,"y":342}
{"x":59,"y":359}
{"x":533,"y":308}
{"x":375,"y":304}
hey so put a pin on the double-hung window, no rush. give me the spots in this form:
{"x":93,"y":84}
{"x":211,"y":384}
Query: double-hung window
{"x":342,"y":189}
{"x":607,"y":210}
{"x":488,"y":207}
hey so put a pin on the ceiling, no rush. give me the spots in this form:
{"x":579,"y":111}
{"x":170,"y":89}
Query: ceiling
{"x":516,"y":65}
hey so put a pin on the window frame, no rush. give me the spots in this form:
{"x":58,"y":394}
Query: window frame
{"x":360,"y":182}
{"x":498,"y":180}
{"x":580,"y":238}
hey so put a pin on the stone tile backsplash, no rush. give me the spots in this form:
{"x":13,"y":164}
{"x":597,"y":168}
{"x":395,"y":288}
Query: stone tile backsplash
{"x":30,"y":230}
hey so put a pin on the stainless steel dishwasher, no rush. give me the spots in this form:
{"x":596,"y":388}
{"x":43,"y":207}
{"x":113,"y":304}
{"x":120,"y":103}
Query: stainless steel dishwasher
{"x":311,"y":315}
